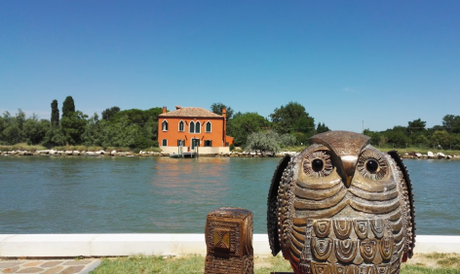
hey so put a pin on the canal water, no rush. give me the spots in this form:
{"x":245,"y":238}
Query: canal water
{"x":163,"y":195}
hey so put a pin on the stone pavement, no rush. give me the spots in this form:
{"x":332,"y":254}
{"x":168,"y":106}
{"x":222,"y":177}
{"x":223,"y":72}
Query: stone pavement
{"x":51,"y":266}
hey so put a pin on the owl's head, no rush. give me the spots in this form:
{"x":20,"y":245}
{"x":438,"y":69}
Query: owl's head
{"x":346,"y":155}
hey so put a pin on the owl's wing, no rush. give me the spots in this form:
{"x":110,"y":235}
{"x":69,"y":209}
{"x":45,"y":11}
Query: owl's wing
{"x":410,"y":199}
{"x":272,"y":209}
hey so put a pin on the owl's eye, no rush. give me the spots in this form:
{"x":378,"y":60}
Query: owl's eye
{"x":372,"y":165}
{"x":318,"y":164}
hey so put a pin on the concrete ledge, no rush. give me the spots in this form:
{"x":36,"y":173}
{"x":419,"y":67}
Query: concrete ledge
{"x":102,"y":245}
{"x":439,"y":244}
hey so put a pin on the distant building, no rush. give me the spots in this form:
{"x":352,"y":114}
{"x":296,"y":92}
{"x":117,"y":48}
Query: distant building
{"x":193,"y":128}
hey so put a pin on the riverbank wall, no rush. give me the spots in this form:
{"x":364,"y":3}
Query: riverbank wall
{"x":248,"y":154}
{"x":113,"y":245}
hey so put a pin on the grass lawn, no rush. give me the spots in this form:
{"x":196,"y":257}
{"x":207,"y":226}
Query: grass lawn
{"x":435,"y":263}
{"x":187,"y":264}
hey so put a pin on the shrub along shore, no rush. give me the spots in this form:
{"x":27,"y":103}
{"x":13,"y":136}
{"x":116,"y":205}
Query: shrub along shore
{"x":156,"y":153}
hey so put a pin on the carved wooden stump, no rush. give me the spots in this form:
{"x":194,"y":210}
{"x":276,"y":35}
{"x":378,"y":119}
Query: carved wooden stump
{"x":228,"y":236}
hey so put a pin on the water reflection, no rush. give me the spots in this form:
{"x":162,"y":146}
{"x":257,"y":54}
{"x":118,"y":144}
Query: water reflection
{"x":187,"y":189}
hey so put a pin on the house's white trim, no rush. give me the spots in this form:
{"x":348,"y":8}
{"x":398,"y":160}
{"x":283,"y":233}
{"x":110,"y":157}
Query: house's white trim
{"x":202,"y":150}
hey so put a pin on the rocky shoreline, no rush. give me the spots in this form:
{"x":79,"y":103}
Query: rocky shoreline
{"x":115,"y":153}
{"x":430,"y":155}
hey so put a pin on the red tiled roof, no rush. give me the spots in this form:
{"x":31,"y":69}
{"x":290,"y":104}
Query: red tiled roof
{"x":191,"y":112}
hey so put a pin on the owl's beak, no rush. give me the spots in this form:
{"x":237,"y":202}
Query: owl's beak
{"x":349,"y":166}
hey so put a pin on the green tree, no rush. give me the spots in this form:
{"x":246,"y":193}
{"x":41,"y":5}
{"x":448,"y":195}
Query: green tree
{"x":4,"y":123}
{"x":54,"y":113}
{"x":217,"y":109}
{"x":93,"y":134}
{"x":109,"y":113}
{"x":244,"y":124}
{"x":134,"y":116}
{"x":322,"y":128}
{"x":73,"y":122}
{"x":264,"y":141}
{"x":436,"y":128}
{"x":54,"y":137}
{"x":375,"y":137}
{"x":137,"y":116}
{"x":416,"y":126}
{"x":268,"y":141}
{"x":12,"y":134}
{"x":419,"y":139}
{"x":68,"y":107}
{"x":141,"y":142}
{"x":397,"y":136}
{"x":133,"y":128}
{"x":383,"y":141}
{"x":440,"y":139}
{"x":416,"y":132}
{"x":110,"y":133}
{"x":129,"y":136}
{"x":12,"y":128}
{"x":455,"y":141}
{"x":151,"y":131}
{"x":20,"y":119}
{"x":35,"y":130}
{"x":287,"y":140}
{"x":451,"y":123}
{"x":73,"y":126}
{"x":301,"y":138}
{"x":292,"y":118}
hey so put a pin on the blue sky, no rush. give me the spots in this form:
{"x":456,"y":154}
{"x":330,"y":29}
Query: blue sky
{"x":381,"y":62}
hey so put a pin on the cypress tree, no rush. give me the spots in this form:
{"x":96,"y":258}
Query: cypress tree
{"x":68,"y":107}
{"x":54,"y":113}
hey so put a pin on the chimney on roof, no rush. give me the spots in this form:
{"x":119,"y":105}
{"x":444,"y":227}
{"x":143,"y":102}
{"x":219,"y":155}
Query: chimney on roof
{"x":164,"y":109}
{"x":224,"y":112}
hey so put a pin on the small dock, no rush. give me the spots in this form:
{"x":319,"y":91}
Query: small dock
{"x":190,"y":154}
{"x":187,"y":154}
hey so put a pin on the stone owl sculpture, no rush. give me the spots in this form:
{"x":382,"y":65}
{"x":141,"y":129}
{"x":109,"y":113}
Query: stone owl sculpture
{"x":342,"y":207}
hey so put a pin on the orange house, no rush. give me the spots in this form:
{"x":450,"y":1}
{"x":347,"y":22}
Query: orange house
{"x":193,"y":129}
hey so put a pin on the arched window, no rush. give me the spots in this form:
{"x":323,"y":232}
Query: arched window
{"x":164,"y":126}
{"x":181,"y":126}
{"x":197,"y":127}
{"x":164,"y":142}
{"x":192,"y":127}
{"x":208,"y":126}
